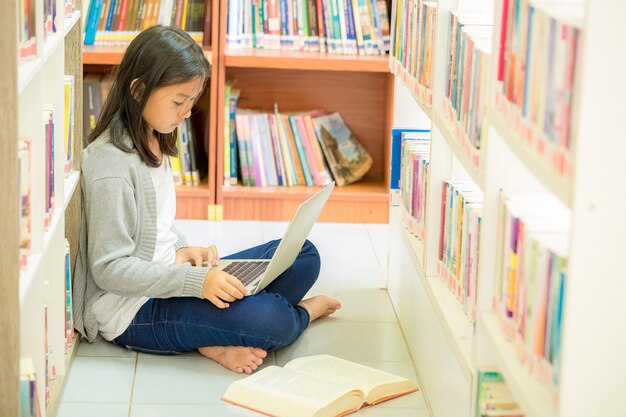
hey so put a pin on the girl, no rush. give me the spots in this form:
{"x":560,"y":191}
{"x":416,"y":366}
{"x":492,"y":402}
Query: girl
{"x":137,"y":282}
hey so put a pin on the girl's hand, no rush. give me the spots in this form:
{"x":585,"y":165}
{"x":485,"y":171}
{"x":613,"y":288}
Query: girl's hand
{"x":197,"y":256}
{"x":221,"y":288}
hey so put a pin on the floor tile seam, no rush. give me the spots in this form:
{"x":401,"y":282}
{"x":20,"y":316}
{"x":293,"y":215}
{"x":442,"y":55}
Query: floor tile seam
{"x":132,"y":386}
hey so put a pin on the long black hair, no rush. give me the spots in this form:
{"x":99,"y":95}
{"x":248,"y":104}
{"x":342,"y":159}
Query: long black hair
{"x":158,"y":57}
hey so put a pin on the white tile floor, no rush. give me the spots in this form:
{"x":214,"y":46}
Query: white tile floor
{"x":107,"y":381}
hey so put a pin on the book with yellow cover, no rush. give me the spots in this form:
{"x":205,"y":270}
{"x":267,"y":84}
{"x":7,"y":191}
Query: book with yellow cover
{"x":316,"y":386}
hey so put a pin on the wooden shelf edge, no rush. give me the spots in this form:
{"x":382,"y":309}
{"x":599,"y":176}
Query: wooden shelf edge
{"x":447,"y":131}
{"x":366,"y":192}
{"x":559,"y":186}
{"x":201,"y":191}
{"x":275,"y":59}
{"x":455,"y":323}
{"x":532,"y":396}
{"x":112,"y":55}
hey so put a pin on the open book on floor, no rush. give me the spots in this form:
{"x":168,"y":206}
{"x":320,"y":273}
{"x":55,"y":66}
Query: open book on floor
{"x":316,"y":386}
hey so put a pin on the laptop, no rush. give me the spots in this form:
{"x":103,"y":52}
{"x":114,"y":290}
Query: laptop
{"x":256,"y":274}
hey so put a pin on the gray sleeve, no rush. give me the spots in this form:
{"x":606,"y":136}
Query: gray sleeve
{"x":182,"y":241}
{"x":112,"y":221}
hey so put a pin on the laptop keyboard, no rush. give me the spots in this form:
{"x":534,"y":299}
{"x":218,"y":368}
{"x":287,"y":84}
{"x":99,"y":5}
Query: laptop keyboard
{"x":246,"y":272}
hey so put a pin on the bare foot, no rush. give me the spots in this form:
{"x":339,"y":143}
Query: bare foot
{"x":238,"y":359}
{"x":320,"y":306}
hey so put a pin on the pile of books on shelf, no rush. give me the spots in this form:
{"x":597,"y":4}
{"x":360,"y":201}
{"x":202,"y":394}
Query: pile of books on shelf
{"x":349,"y":27}
{"x":493,"y":396}
{"x":30,"y":405}
{"x":413,"y":47}
{"x":415,"y":154}
{"x":286,"y":149}
{"x":531,"y":279}
{"x":461,"y":208}
{"x":184,"y":166}
{"x":116,"y":23}
{"x":467,"y":78}
{"x":537,"y":64}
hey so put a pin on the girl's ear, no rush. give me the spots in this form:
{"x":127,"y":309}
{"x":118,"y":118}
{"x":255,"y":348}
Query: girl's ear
{"x":138,"y":91}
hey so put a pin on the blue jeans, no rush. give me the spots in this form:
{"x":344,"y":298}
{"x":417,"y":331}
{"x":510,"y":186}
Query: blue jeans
{"x":270,"y":319}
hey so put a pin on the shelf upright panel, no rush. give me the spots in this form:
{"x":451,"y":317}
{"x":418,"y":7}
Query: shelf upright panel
{"x":593,"y":369}
{"x":9,"y":269}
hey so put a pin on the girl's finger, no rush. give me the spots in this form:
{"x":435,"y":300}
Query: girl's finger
{"x":224,"y":295}
{"x":237,"y":284}
{"x":217,"y":302}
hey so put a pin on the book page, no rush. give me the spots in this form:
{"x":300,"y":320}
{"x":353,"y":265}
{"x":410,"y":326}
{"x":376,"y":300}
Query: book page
{"x":306,"y":389}
{"x":341,"y":371}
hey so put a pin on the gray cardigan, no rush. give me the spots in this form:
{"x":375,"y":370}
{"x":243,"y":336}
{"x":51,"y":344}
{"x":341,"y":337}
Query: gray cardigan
{"x":118,"y":236}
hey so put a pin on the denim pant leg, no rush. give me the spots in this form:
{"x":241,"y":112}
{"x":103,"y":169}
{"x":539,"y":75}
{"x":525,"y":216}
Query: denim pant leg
{"x":269,"y":320}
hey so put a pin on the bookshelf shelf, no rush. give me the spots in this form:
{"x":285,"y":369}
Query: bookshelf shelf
{"x":27,"y":72}
{"x":71,"y":181}
{"x":261,"y":58}
{"x":112,"y":55}
{"x":534,"y":397}
{"x":559,"y":186}
{"x":454,"y":142}
{"x":56,"y":385}
{"x":364,"y":201}
{"x":454,"y":322}
{"x":51,"y":45}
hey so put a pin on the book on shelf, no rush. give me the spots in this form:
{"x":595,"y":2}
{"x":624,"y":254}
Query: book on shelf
{"x":493,"y":396}
{"x":349,"y":27}
{"x":316,"y":386}
{"x":49,"y":201}
{"x":68,"y":121}
{"x":24,"y":200}
{"x":49,"y":18}
{"x":117,"y":22}
{"x":27,"y":40}
{"x":92,"y":101}
{"x":30,"y":405}
{"x":69,"y":312}
{"x":347,"y":159}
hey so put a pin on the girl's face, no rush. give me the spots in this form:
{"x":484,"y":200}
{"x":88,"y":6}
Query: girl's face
{"x":167,"y":107}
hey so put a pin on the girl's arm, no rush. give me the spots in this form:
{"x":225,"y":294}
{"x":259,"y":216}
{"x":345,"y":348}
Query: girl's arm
{"x":117,"y":264}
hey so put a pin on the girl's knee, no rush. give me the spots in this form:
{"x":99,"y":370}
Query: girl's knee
{"x":310,"y":250}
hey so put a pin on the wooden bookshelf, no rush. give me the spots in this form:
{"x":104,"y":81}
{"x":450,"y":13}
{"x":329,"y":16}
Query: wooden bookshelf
{"x":276,"y":59}
{"x":360,"y":88}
